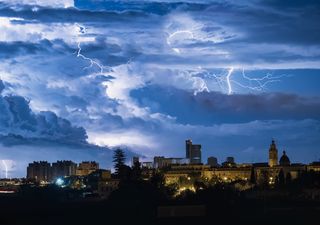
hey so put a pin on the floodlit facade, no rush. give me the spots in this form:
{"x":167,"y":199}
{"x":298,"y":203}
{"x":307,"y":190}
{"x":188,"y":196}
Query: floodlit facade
{"x":87,"y":167}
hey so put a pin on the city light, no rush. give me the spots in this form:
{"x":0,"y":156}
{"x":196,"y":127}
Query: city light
{"x":59,"y":182}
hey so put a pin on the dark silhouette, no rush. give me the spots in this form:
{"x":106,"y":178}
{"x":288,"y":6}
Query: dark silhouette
{"x":281,"y":178}
{"x":288,"y":178}
{"x":136,"y":171}
{"x":118,"y":160}
{"x":252,"y":176}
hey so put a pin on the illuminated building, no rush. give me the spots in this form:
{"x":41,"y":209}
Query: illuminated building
{"x":273,"y":154}
{"x":148,"y":165}
{"x":86,"y":167}
{"x":193,"y":152}
{"x":183,"y":173}
{"x":228,"y":174}
{"x":314,"y":166}
{"x":264,"y":173}
{"x":39,"y":171}
{"x":63,"y":168}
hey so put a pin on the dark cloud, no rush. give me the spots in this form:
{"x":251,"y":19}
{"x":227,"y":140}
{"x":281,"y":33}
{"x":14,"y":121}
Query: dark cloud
{"x":213,"y":107}
{"x":56,"y":15}
{"x":18,"y":122}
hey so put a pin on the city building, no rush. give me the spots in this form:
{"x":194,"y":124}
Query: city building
{"x":161,"y":161}
{"x":148,"y":165}
{"x":284,"y":160}
{"x":193,"y":152}
{"x":39,"y":171}
{"x":212,"y":161}
{"x":63,"y":168}
{"x":259,"y":173}
{"x":229,"y":162}
{"x":86,"y":167}
{"x":101,"y":183}
{"x":273,"y":154}
{"x":314,"y":166}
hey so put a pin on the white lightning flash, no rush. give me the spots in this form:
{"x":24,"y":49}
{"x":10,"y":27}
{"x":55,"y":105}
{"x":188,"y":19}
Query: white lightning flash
{"x":172,"y":35}
{"x":6,"y":169}
{"x":93,"y":62}
{"x":227,"y":82}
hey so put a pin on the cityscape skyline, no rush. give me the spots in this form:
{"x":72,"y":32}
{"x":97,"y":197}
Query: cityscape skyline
{"x":192,"y":156}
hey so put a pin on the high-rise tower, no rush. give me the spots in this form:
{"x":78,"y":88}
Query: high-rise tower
{"x":273,"y":154}
{"x":193,"y":152}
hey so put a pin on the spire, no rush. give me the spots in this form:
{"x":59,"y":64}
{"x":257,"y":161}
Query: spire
{"x":273,"y":154}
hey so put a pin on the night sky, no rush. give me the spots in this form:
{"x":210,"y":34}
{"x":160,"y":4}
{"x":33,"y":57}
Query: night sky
{"x":80,"y":78}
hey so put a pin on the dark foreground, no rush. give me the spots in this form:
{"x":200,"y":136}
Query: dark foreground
{"x":143,"y":208}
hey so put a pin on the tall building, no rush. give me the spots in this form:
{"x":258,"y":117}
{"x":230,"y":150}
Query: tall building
{"x":193,"y":152}
{"x":86,"y":167}
{"x":273,"y":154}
{"x":212,"y":161}
{"x":39,"y":171}
{"x":63,"y":168}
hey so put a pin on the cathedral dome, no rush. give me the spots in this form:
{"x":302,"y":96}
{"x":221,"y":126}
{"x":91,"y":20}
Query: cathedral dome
{"x":284,"y":160}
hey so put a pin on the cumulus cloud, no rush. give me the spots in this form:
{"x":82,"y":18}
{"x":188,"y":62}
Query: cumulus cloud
{"x":17,"y":119}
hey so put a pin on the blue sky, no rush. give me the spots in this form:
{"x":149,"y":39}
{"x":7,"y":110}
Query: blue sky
{"x":79,"y":78}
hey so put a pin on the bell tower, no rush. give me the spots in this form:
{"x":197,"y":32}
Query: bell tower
{"x":273,"y":154}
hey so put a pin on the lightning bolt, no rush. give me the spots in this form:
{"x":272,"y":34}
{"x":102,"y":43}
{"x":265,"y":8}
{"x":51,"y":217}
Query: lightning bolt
{"x":228,"y":81}
{"x":83,"y":30}
{"x":5,"y":168}
{"x":92,"y":62}
{"x":177,"y":50}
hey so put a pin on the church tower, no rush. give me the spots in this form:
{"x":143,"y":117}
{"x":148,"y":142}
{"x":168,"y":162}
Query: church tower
{"x":273,"y":154}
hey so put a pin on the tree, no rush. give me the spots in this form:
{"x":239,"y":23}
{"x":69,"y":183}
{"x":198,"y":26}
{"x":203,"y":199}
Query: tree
{"x":157,"y":180}
{"x":264,"y":179}
{"x":118,"y":160}
{"x":281,"y":178}
{"x":136,"y":171}
{"x":252,"y":176}
{"x":288,"y":178}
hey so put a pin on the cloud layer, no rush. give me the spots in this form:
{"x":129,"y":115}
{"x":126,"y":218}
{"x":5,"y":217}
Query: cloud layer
{"x":149,"y":74}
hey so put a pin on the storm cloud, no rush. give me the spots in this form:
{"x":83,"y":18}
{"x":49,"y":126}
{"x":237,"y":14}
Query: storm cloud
{"x":146,"y":75}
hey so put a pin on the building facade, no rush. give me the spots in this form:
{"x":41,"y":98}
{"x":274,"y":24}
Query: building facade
{"x":39,"y":171}
{"x":212,"y":161}
{"x":193,"y":152}
{"x":87,"y":167}
{"x":63,"y":169}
